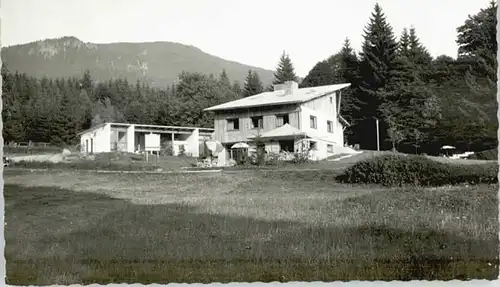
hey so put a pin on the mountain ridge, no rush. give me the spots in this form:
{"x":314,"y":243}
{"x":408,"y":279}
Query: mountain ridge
{"x":157,"y":63}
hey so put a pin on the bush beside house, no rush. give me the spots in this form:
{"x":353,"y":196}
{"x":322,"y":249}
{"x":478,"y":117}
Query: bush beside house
{"x":399,"y":170}
{"x":490,"y":154}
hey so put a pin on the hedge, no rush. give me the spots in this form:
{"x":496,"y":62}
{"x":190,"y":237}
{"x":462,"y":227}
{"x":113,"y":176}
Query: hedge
{"x":399,"y":170}
{"x":490,"y":154}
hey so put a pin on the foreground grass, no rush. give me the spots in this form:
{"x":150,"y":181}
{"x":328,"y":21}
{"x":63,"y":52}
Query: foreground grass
{"x":72,"y":227}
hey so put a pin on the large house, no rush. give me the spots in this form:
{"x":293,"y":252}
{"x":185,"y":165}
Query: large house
{"x":286,"y":119}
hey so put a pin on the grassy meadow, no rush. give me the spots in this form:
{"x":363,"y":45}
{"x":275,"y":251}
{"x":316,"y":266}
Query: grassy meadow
{"x":67,"y":227}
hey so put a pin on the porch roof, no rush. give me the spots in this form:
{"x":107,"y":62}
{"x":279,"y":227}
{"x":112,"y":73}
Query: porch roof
{"x":285,"y":130}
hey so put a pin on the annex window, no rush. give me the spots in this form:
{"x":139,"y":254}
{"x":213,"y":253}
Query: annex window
{"x":329,"y":126}
{"x":329,"y":148}
{"x":313,"y":122}
{"x":233,"y":124}
{"x":257,"y":122}
{"x":282,"y":120}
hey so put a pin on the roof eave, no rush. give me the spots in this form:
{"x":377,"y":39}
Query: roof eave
{"x":212,"y":109}
{"x":91,"y":129}
{"x":344,"y":121}
{"x":216,"y":108}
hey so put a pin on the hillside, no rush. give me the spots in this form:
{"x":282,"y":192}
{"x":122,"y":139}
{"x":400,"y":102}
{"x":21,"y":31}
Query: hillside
{"x":158,"y":63}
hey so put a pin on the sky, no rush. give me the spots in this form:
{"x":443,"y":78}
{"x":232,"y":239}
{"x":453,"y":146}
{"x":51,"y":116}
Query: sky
{"x":251,"y":32}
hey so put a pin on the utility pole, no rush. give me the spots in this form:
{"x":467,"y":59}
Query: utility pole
{"x":378,"y":134}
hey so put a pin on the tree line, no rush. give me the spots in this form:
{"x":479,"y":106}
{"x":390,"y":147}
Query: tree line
{"x":421,"y":102}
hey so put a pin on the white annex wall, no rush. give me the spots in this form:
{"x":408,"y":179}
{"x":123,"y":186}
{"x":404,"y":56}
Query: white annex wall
{"x":193,"y":143}
{"x":130,"y":135}
{"x":99,"y":138}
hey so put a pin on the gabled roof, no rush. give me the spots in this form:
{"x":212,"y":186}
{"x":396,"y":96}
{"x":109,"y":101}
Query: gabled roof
{"x":280,"y":98}
{"x":285,"y":130}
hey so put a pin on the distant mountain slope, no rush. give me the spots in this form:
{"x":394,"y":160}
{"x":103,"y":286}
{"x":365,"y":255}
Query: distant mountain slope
{"x":158,"y":63}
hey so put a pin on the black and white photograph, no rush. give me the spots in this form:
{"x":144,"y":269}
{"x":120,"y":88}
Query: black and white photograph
{"x":169,"y":141}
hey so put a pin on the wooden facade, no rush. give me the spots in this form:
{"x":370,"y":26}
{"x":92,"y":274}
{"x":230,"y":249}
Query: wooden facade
{"x":244,"y":116}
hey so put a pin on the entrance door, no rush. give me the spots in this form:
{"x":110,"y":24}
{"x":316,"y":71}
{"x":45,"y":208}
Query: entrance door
{"x":86,"y":146}
{"x":91,"y":145}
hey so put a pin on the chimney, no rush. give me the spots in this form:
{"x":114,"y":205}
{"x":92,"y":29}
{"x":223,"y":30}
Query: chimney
{"x":289,"y":87}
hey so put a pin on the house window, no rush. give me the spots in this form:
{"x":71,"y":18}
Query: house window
{"x":313,"y":122}
{"x":329,"y":126}
{"x":257,"y":122}
{"x":331,"y":100}
{"x":329,"y":148}
{"x":282,"y":120}
{"x":233,"y":124}
{"x":313,"y":145}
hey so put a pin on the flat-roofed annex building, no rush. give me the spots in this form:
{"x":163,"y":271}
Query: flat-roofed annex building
{"x":108,"y":137}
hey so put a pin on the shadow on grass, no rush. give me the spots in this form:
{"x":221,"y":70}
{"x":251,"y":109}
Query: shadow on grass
{"x":57,"y":236}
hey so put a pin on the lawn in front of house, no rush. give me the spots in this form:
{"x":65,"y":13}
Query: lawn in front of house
{"x":109,"y":161}
{"x":75,"y":227}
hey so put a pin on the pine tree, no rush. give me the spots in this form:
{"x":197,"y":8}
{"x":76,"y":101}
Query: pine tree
{"x":478,"y":47}
{"x":418,"y":53}
{"x":63,"y":128}
{"x":404,"y":43}
{"x":285,"y":70}
{"x":223,"y":79}
{"x":253,"y":85}
{"x":348,"y":73}
{"x":378,"y":58}
{"x":237,"y":89}
{"x":104,"y":111}
{"x":410,"y":109}
{"x":321,"y":74}
{"x":477,"y":43}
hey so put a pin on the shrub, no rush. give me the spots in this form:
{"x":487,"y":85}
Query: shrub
{"x":272,"y":158}
{"x":300,"y":157}
{"x":166,"y":148}
{"x":491,"y":154}
{"x":182,"y":150}
{"x":398,"y":170}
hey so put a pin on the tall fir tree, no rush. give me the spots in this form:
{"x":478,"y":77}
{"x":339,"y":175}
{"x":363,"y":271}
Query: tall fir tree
{"x":478,"y":47}
{"x":418,"y":54}
{"x":378,"y":58}
{"x":223,"y":79}
{"x":348,"y":73}
{"x":252,"y":85}
{"x":63,"y":128}
{"x":410,"y":109}
{"x":285,"y":70}
{"x":237,"y":89}
{"x":321,"y":74}
{"x":404,"y":43}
